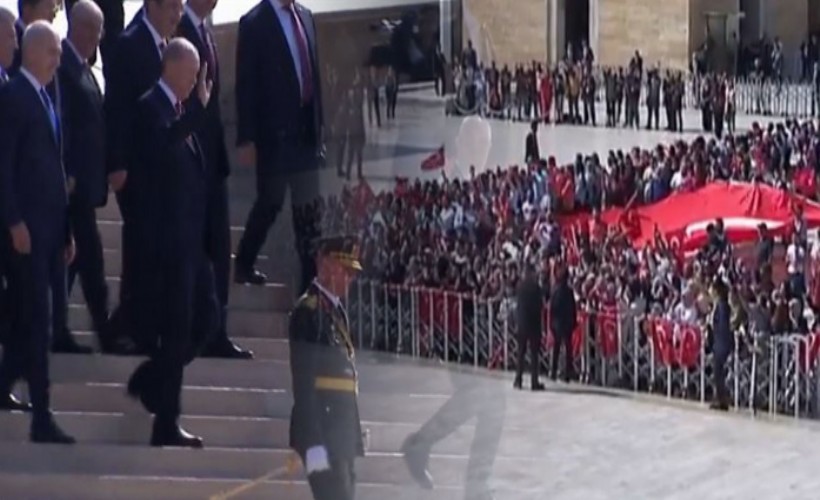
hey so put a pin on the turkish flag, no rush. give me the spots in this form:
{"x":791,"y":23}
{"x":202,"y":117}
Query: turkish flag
{"x":435,"y":161}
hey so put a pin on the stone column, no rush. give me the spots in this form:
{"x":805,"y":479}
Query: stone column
{"x":446,"y":28}
{"x":593,"y":27}
{"x":555,"y":33}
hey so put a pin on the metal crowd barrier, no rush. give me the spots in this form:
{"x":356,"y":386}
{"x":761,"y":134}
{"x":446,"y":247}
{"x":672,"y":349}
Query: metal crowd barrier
{"x":611,"y":348}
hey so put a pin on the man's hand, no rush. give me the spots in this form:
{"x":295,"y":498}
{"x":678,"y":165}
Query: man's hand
{"x":117,"y":179}
{"x":70,"y":252}
{"x":316,"y":460}
{"x":204,"y":87}
{"x":71,"y":183}
{"x":247,"y":154}
{"x":20,"y":238}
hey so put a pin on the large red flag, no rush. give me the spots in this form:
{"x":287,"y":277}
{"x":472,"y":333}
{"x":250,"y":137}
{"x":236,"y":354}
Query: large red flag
{"x":435,"y":161}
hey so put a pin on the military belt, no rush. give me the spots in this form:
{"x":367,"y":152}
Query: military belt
{"x":336,"y":384}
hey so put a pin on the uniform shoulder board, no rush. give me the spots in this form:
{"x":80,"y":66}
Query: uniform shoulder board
{"x":308,"y":300}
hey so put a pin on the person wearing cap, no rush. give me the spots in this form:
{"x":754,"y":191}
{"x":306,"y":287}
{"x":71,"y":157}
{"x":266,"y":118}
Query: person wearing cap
{"x":325,"y":427}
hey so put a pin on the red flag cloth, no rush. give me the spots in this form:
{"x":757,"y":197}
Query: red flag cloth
{"x":805,"y":182}
{"x":435,"y":161}
{"x":606,"y":330}
{"x":689,"y":346}
{"x":809,"y":350}
{"x":661,"y":333}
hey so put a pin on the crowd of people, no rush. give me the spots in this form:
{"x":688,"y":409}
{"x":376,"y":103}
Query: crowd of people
{"x":476,"y":236}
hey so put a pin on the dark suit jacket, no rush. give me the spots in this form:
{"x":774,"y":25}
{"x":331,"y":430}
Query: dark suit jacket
{"x":212,"y":133}
{"x":84,"y":130}
{"x":268,"y":95}
{"x":133,"y":69}
{"x":531,"y":152}
{"x":563,"y":311}
{"x":530,"y":307}
{"x":32,"y":183}
{"x":19,"y":29}
{"x":174,"y":193}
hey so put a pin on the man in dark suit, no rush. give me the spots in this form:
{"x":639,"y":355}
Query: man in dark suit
{"x":34,"y":201}
{"x":193,"y":28}
{"x":279,"y":112}
{"x":324,"y":376}
{"x":133,"y":69}
{"x":530,"y":313}
{"x":723,"y":344}
{"x":184,"y":299}
{"x":84,"y":159}
{"x":563,"y":320}
{"x":531,"y":152}
{"x":8,"y":43}
{"x":114,"y":21}
{"x":30,"y":11}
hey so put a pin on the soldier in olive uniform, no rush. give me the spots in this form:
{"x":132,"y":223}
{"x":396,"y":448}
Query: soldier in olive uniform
{"x":325,"y":429}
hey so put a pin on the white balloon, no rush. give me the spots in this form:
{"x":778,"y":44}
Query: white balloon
{"x":472,"y":146}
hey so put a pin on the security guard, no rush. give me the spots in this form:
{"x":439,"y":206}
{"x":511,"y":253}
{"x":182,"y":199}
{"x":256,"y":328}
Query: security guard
{"x":325,"y":429}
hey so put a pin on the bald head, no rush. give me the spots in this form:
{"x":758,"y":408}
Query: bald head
{"x":8,"y":38}
{"x":180,"y":67}
{"x":85,"y":27}
{"x":41,"y":51}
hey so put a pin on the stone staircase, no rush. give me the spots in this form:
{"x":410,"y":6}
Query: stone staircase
{"x":241,"y":408}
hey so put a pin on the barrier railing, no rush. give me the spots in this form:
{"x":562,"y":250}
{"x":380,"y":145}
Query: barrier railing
{"x":613,"y":347}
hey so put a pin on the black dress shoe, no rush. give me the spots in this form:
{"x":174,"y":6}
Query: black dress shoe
{"x":49,"y":432}
{"x":227,"y":350}
{"x":249,"y":276}
{"x":175,"y":435}
{"x":119,"y":346}
{"x":66,"y":344}
{"x":517,"y":384}
{"x":10,"y":403}
{"x":416,"y":458}
{"x":537,"y":387}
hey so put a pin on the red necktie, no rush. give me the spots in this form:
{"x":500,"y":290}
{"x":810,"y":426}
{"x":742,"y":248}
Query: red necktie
{"x":304,"y":55}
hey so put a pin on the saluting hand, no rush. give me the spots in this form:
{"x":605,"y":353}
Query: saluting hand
{"x":204,"y":86}
{"x":70,"y":252}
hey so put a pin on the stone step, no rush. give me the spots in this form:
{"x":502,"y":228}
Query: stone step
{"x":226,"y":463}
{"x":241,"y":322}
{"x":377,"y":373}
{"x":275,"y":269}
{"x":263,"y":348}
{"x":72,"y":487}
{"x":270,"y":297}
{"x":134,"y":429}
{"x":228,"y":402}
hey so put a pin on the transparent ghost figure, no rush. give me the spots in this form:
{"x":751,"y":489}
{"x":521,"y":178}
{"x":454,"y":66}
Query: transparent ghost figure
{"x":472,"y":147}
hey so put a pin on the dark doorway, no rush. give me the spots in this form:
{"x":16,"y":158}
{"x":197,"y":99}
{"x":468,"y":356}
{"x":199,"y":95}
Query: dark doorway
{"x":576,"y":26}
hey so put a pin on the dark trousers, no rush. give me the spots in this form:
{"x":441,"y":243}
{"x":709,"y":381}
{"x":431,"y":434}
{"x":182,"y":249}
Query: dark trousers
{"x":218,"y":247}
{"x":564,"y":341}
{"x":473,"y":397}
{"x":131,"y":318}
{"x":271,"y":187}
{"x":653,"y":113}
{"x":374,"y":107}
{"x":589,"y":111}
{"x":533,"y":340}
{"x":706,"y":118}
{"x":719,"y":373}
{"x":338,"y":483}
{"x":88,"y":263}
{"x":718,"y":123}
{"x":392,"y":100}
{"x":38,"y":282}
{"x":188,"y":317}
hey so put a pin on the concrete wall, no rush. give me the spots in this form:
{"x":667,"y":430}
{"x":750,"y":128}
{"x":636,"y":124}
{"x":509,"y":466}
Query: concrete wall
{"x":508,"y":31}
{"x":658,"y":28}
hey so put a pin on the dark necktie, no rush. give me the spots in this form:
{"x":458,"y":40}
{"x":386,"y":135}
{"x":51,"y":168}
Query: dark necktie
{"x":52,"y":114}
{"x":304,"y":54}
{"x":210,"y":55}
{"x":180,"y":110}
